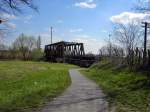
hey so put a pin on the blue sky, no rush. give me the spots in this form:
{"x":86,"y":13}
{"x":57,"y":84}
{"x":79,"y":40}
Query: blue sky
{"x":87,"y":21}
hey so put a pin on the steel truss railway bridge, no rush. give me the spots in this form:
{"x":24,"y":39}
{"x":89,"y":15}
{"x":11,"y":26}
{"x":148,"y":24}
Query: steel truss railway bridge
{"x":68,"y":52}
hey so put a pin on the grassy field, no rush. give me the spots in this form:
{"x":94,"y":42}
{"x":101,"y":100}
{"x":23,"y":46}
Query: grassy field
{"x":27,"y":85}
{"x":126,"y":91}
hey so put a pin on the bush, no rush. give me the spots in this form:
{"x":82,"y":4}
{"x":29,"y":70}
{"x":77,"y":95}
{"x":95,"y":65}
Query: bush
{"x":37,"y":55}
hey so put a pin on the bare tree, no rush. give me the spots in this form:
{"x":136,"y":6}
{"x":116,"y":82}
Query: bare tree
{"x":109,"y":46}
{"x":143,"y":6}
{"x":24,"y":45}
{"x":111,"y":52}
{"x":13,"y":6}
{"x":128,"y":35}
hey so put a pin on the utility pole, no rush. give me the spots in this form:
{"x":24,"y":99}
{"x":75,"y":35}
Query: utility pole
{"x":110,"y":46}
{"x":51,"y":35}
{"x":39,"y":43}
{"x":146,"y":26}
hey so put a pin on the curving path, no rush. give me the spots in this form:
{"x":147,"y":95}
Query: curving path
{"x":82,"y":96}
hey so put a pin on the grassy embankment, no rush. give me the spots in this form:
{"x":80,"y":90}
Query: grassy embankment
{"x":126,"y":91}
{"x":27,"y":85}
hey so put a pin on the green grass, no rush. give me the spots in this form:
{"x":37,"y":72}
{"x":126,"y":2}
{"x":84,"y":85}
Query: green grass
{"x":126,"y":91}
{"x":27,"y":85}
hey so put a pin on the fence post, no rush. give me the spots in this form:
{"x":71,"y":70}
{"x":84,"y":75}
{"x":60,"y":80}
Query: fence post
{"x":136,"y":55}
{"x":148,"y":57}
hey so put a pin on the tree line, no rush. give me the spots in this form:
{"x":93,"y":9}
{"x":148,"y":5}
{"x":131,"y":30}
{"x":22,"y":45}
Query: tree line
{"x":24,"y":47}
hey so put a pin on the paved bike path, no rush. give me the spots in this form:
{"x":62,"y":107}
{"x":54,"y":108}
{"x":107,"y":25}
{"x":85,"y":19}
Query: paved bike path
{"x":82,"y":96}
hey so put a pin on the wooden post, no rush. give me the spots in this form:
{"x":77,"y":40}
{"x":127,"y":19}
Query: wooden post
{"x":148,"y":57}
{"x":146,"y":26}
{"x":145,"y":44}
{"x":136,"y":55}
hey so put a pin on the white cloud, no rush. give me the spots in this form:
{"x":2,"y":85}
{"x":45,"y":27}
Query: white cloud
{"x":104,"y":31}
{"x":86,"y":4}
{"x":90,"y":44}
{"x":10,"y":25}
{"x":28,"y":18}
{"x":76,"y":30}
{"x":60,"y":21}
{"x":7,"y":16}
{"x":127,"y":17}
